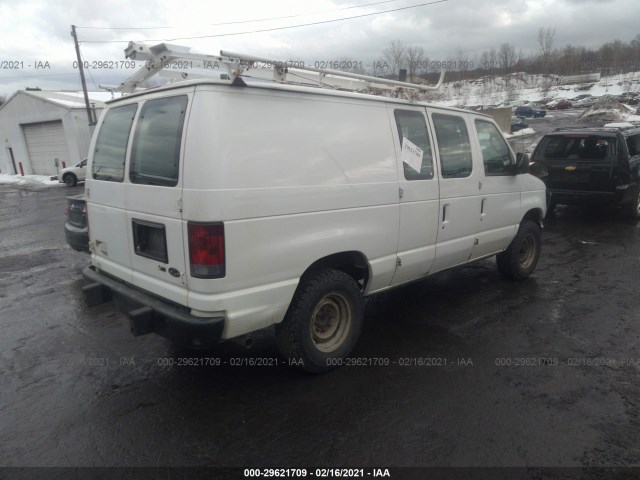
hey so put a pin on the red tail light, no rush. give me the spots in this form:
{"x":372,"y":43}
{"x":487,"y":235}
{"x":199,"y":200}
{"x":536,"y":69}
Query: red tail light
{"x":206,"y":249}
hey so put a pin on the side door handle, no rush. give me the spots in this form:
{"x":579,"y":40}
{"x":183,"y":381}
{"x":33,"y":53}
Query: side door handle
{"x":445,"y":212}
{"x":483,"y":205}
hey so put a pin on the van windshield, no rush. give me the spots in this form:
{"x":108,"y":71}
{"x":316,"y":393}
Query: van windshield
{"x":155,"y":156}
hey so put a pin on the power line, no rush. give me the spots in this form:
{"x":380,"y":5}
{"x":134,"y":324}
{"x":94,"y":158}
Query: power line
{"x":269,"y":29}
{"x":248,"y":21}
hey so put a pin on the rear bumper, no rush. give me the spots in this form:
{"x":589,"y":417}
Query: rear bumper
{"x":623,"y":194}
{"x":148,"y":314}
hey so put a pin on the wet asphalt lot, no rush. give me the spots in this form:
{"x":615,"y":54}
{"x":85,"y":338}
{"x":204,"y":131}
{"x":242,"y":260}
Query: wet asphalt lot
{"x":470,"y":369}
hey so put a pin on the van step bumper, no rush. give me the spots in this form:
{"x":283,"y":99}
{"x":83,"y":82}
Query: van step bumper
{"x":148,"y":314}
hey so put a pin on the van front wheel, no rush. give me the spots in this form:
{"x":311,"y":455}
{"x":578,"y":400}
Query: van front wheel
{"x":323,"y":322}
{"x":519,"y":260}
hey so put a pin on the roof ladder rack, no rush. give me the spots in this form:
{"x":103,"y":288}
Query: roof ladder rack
{"x":160,"y":57}
{"x":281,"y":70}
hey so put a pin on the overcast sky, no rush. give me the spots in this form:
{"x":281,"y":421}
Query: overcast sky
{"x":36,"y":33}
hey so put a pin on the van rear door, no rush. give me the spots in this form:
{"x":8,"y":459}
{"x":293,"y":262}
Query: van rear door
{"x":141,"y":240}
{"x":105,"y":192}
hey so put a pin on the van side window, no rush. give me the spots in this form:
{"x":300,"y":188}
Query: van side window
{"x":412,"y":127}
{"x":453,"y":145}
{"x":155,"y":155}
{"x":111,"y":146}
{"x":496,"y":156}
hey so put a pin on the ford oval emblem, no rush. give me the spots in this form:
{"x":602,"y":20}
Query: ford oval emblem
{"x":174,"y":272}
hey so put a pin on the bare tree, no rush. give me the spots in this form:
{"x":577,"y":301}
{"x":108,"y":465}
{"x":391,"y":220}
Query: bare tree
{"x":635,"y":49}
{"x":460,"y":62}
{"x":395,"y":56}
{"x":493,"y":60}
{"x":415,"y":58}
{"x":568,"y":60}
{"x":546,"y":37}
{"x":506,"y":56}
{"x":485,"y":60}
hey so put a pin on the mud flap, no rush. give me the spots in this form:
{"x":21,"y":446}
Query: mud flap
{"x":141,"y":321}
{"x":96,"y":293}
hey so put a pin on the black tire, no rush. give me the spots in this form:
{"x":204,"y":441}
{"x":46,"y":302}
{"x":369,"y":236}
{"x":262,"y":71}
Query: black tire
{"x":323,"y":322}
{"x":632,"y":209}
{"x":70,"y":180}
{"x":519,"y":260}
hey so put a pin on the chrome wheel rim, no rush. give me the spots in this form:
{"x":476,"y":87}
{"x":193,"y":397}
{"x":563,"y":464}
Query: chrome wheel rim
{"x":330,"y":322}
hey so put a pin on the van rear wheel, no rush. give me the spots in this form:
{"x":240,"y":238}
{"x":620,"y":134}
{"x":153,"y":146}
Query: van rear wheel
{"x":519,"y":260}
{"x":323,"y":322}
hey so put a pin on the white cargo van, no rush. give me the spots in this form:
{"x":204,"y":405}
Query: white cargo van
{"x":219,"y":208}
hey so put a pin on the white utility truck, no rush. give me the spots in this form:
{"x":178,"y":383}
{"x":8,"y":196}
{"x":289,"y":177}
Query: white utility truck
{"x":219,"y":207}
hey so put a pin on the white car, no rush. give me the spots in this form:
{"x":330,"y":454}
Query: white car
{"x":72,"y":175}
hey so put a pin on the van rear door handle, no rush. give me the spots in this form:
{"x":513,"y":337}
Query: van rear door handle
{"x":482,"y":207}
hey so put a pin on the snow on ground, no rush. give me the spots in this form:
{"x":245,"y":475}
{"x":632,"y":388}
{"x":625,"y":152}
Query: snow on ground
{"x":521,"y":88}
{"x":619,"y":125}
{"x":521,"y":133}
{"x":27,"y":180}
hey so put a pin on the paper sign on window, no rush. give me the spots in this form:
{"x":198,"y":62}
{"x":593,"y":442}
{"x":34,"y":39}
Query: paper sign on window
{"x":411,"y":154}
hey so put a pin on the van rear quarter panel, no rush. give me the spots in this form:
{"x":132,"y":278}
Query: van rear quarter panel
{"x":294,"y":177}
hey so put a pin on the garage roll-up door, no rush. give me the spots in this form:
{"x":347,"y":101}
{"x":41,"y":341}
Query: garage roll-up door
{"x":45,"y":143}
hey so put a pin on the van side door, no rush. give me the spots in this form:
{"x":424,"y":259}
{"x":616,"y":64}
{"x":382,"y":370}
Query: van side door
{"x":418,"y":192}
{"x":500,"y":198}
{"x":460,"y":180}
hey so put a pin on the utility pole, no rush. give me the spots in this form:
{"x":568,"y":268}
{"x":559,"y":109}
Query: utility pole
{"x":92,"y":120}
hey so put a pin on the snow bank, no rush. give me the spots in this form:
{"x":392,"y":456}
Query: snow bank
{"x":521,"y":133}
{"x":606,"y":110}
{"x":27,"y":180}
{"x":619,"y":125}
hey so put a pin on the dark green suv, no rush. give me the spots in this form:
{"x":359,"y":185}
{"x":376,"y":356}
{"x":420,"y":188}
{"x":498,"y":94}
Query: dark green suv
{"x":596,"y":165}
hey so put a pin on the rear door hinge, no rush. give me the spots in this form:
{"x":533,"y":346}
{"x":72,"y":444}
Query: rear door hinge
{"x":400,"y":192}
{"x":398,"y":262}
{"x":180,"y":204}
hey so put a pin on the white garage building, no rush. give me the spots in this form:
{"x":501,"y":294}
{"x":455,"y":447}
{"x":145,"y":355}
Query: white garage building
{"x":43,"y":131}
